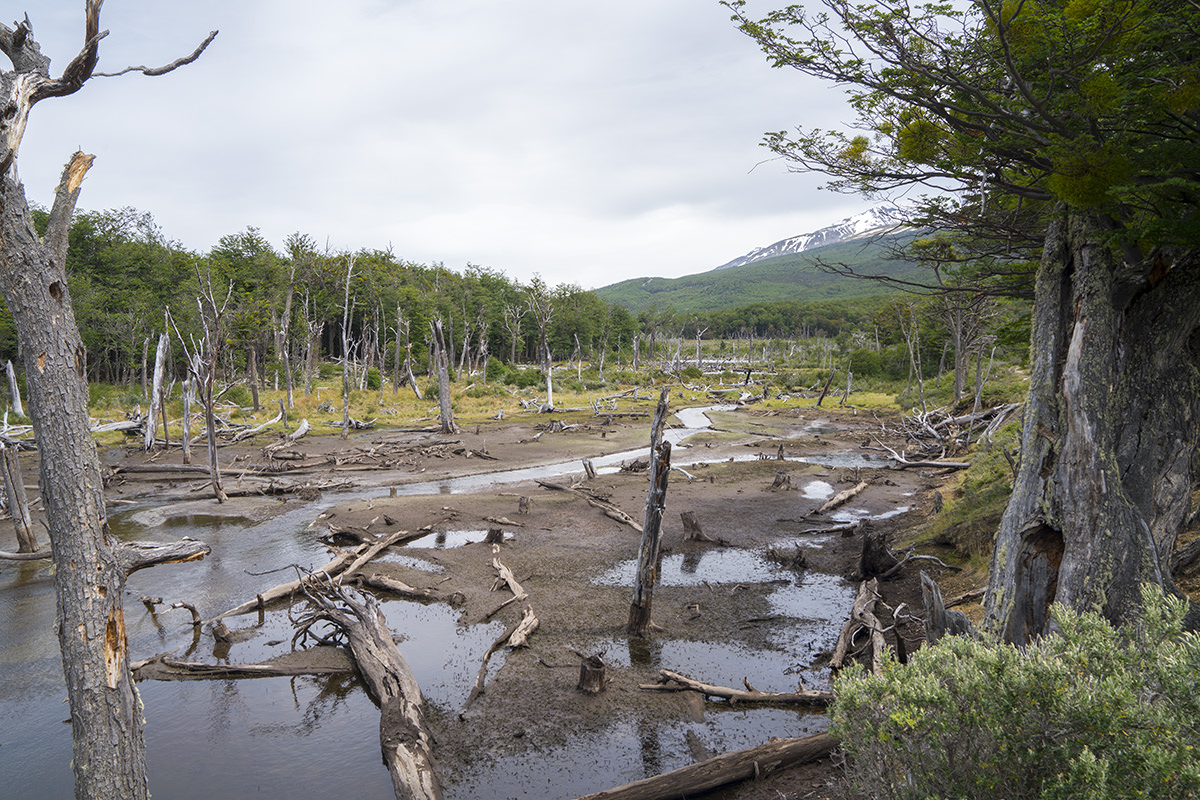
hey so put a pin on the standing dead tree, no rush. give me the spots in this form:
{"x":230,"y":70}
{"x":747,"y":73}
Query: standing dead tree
{"x":18,"y":504}
{"x":202,"y":359}
{"x":443,"y":372}
{"x":648,"y":554}
{"x":347,"y":305}
{"x":91,"y":564}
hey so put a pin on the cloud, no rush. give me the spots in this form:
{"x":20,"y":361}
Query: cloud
{"x":587,"y":142}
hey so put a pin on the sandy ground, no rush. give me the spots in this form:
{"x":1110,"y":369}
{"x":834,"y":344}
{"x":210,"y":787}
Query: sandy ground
{"x":562,"y":544}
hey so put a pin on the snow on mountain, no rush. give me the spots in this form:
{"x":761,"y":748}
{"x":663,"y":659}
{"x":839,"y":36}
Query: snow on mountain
{"x":873,"y":221}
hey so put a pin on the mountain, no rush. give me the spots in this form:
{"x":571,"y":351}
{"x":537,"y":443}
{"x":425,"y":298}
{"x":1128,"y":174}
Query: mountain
{"x":875,"y":221}
{"x":771,"y":274}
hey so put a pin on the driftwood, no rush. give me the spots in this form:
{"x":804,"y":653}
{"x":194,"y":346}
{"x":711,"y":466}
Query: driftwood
{"x":609,"y":510}
{"x":396,"y":587}
{"x":403,"y":735}
{"x":138,"y":555}
{"x":289,"y":439}
{"x":516,"y":636}
{"x":841,"y":498}
{"x":862,"y":617}
{"x":345,"y":563}
{"x":674,"y":682}
{"x":38,"y":556}
{"x":722,"y":770}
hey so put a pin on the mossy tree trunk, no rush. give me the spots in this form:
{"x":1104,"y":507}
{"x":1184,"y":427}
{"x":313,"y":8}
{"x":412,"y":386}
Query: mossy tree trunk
{"x":1109,"y":457}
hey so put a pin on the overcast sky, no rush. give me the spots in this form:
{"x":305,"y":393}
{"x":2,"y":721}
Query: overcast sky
{"x":585,"y":141}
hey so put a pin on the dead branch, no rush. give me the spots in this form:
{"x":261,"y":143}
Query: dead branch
{"x":675,"y":682}
{"x":163,"y":70}
{"x":841,"y":498}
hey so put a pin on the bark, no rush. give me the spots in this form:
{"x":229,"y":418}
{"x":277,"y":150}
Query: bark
{"x":1109,"y":459}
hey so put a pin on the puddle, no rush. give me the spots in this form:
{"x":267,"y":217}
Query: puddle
{"x":443,"y":540}
{"x":855,"y":514}
{"x":412,"y":563}
{"x":817,"y":490}
{"x":696,"y":568}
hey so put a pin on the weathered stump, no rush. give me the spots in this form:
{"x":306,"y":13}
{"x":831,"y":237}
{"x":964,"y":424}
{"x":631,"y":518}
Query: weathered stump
{"x":592,"y":675}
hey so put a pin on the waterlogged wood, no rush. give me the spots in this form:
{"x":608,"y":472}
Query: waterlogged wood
{"x":133,"y":556}
{"x":404,"y":737}
{"x":18,"y":503}
{"x":517,"y":635}
{"x":841,"y":498}
{"x":725,"y":769}
{"x":397,"y":587}
{"x":670,"y":681}
{"x":163,"y":668}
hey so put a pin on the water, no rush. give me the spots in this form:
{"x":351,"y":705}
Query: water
{"x":294,"y":737}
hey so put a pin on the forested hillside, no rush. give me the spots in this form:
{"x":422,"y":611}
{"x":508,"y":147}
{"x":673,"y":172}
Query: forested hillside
{"x":794,"y":278}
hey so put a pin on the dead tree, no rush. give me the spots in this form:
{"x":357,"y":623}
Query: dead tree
{"x":541,"y":305}
{"x":202,"y":358}
{"x":109,"y":749}
{"x":156,"y":393}
{"x":446,"y":413}
{"x":656,"y":498}
{"x":346,"y":311}
{"x":14,"y":390}
{"x":403,"y":735}
{"x":18,"y":504}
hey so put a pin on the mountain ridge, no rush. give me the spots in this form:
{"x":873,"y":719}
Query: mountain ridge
{"x":872,"y":222}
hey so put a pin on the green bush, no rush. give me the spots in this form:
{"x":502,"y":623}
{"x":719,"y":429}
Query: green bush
{"x":496,"y":371}
{"x":1093,"y":712}
{"x":374,"y":379}
{"x":691,"y":373}
{"x":524,"y":378}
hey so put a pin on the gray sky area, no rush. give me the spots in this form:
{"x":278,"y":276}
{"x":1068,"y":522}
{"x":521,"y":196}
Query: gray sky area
{"x":585,"y":141}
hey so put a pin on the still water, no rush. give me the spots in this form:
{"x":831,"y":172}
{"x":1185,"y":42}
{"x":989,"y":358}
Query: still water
{"x":303,"y":737}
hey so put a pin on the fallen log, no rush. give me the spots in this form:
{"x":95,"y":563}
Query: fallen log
{"x":675,"y":682}
{"x":396,"y":587}
{"x":517,"y":635}
{"x":403,"y":735}
{"x":841,"y":498}
{"x":722,"y":770}
{"x":38,"y":556}
{"x":345,"y":563}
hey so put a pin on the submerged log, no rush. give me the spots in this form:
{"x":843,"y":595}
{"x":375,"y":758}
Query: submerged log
{"x":723,"y":770}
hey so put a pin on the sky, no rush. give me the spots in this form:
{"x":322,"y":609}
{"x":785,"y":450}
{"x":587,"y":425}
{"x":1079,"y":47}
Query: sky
{"x":584,"y":141}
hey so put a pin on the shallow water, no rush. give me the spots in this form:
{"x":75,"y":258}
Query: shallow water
{"x":296,"y":737}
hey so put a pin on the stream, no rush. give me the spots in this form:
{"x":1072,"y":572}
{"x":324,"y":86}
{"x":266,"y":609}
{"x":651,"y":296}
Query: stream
{"x":307,"y":737}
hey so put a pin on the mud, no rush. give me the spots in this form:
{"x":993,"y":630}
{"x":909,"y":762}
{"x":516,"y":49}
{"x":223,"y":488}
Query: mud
{"x":725,"y":612}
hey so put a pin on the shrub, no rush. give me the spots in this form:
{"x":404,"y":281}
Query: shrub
{"x":496,"y":371}
{"x":374,"y":379}
{"x":1092,"y":712}
{"x":691,"y":373}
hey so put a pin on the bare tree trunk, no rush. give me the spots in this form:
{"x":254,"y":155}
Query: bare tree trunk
{"x":656,"y":497}
{"x":145,"y":362}
{"x":186,"y":436}
{"x":252,"y":373}
{"x":396,"y":362}
{"x":14,"y":390}
{"x":443,"y":373}
{"x":1108,"y":454}
{"x":156,"y":393}
{"x":346,"y":352}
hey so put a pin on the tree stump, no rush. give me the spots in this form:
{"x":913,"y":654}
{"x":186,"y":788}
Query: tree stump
{"x":592,"y":677}
{"x":494,"y":536}
{"x":782,"y":481}
{"x":588,"y":469}
{"x":523,"y":504}
{"x":691,"y":527}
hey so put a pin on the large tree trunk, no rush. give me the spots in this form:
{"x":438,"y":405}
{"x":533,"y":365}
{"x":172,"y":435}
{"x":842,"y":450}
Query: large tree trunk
{"x":109,"y":754}
{"x":1109,"y":457}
